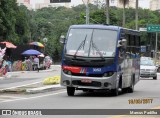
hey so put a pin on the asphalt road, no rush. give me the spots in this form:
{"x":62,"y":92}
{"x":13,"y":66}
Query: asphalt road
{"x":146,"y":88}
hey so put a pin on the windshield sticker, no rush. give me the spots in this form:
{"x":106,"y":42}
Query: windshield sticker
{"x":104,"y":53}
{"x":72,"y":52}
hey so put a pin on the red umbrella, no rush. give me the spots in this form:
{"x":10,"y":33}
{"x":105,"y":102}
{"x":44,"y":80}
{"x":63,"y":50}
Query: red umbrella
{"x":8,"y":44}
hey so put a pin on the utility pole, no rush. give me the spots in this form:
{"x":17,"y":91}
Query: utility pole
{"x":87,"y":14}
{"x":107,"y":11}
{"x":87,"y":10}
{"x":156,"y":47}
{"x":136,"y":15}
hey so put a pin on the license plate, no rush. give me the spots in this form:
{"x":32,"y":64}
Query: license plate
{"x":86,"y":81}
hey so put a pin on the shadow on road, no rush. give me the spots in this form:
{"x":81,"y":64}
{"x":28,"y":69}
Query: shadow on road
{"x":96,"y":94}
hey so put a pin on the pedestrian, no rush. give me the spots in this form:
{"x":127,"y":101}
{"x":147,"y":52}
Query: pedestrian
{"x":36,"y":63}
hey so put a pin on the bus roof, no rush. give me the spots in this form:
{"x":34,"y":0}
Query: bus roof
{"x":99,"y":26}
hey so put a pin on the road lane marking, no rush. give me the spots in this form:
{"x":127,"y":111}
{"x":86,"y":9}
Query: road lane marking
{"x":7,"y":96}
{"x":33,"y":97}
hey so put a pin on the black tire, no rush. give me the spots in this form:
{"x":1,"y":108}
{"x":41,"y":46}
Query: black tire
{"x":131,"y":88}
{"x":114,"y":92}
{"x":85,"y":90}
{"x":155,"y":78}
{"x":125,"y":90}
{"x":70,"y":91}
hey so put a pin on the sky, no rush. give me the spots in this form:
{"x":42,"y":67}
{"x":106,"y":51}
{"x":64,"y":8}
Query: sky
{"x":142,"y":3}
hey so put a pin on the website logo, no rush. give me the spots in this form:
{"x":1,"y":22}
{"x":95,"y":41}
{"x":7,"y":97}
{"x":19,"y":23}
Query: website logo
{"x":6,"y":112}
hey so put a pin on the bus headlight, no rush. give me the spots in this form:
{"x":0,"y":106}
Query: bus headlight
{"x":67,"y":72}
{"x":108,"y":74}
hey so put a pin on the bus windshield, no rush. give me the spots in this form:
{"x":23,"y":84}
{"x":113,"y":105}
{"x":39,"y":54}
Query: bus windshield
{"x":91,"y":43}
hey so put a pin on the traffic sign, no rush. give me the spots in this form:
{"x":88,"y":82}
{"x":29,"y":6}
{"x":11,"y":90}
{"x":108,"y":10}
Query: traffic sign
{"x":153,"y":28}
{"x":142,"y":29}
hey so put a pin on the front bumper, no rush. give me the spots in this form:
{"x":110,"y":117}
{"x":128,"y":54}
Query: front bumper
{"x":95,"y":82}
{"x":148,"y":74}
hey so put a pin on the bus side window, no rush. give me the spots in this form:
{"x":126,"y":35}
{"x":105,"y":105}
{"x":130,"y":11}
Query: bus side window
{"x":128,"y":55}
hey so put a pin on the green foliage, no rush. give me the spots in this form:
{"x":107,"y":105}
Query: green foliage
{"x":14,"y":21}
{"x":20,"y":26}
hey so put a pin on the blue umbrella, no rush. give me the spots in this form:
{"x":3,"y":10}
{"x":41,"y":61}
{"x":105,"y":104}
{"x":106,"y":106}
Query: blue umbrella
{"x":31,"y":52}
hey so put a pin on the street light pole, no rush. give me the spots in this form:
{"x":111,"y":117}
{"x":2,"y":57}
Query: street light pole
{"x":87,"y":10}
{"x":107,"y":11}
{"x":45,"y":41}
{"x":156,"y":47}
{"x":136,"y":14}
{"x":87,"y":14}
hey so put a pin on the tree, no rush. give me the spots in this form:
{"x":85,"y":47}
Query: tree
{"x":14,"y":22}
{"x":8,"y":11}
{"x":124,"y":3}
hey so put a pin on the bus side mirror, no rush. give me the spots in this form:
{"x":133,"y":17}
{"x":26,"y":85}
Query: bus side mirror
{"x":119,"y":44}
{"x":124,"y":43}
{"x":62,"y":39}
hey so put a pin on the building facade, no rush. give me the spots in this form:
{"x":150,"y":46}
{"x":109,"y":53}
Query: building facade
{"x":25,"y":3}
{"x":155,"y":5}
{"x":38,"y":4}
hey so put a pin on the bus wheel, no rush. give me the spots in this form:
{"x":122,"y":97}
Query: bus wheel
{"x":70,"y":91}
{"x":125,"y":90}
{"x":85,"y":90}
{"x":115,"y":91}
{"x":131,"y":88}
{"x":155,"y":77}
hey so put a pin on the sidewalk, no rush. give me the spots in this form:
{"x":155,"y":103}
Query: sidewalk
{"x":27,"y":80}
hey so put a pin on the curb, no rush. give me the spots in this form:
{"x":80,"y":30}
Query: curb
{"x":45,"y":89}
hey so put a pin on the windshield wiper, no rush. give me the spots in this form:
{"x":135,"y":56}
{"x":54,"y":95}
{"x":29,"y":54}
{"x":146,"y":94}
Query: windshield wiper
{"x":92,"y":44}
{"x":95,"y":47}
{"x":80,"y":46}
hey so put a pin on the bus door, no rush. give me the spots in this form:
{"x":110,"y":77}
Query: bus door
{"x":125,"y":63}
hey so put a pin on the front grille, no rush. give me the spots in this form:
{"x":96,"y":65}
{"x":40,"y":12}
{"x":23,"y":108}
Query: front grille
{"x":142,"y":69}
{"x":93,"y":83}
{"x":85,"y":75}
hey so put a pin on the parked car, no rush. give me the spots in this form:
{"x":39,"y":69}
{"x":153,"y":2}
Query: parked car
{"x":148,"y":69}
